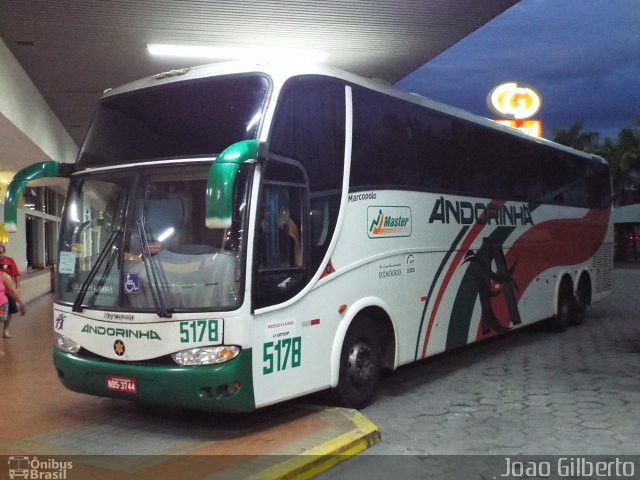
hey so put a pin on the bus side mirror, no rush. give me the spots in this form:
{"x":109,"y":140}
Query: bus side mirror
{"x":20,"y":180}
{"x":222,"y":175}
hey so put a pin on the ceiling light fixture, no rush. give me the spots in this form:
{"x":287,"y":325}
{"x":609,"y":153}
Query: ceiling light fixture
{"x":236,"y":53}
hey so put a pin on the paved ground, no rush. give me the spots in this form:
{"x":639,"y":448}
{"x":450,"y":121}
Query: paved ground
{"x":530,"y":392}
{"x":115,"y":439}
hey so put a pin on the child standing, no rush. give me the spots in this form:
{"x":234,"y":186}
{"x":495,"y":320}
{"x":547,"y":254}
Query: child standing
{"x":8,"y":265}
{"x":8,"y":290}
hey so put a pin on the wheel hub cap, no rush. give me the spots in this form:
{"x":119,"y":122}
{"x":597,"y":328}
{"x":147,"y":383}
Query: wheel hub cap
{"x":361,"y":366}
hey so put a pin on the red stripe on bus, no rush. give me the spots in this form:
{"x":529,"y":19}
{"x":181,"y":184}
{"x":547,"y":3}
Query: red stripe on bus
{"x":471,"y":236}
{"x":576,"y":240}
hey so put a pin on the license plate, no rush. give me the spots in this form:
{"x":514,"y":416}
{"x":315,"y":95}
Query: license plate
{"x":118,"y":383}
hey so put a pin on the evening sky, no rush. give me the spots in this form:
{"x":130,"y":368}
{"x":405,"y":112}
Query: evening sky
{"x":582,"y":56}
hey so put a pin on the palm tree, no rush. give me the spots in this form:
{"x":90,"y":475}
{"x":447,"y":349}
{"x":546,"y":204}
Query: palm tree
{"x":629,"y":144}
{"x":623,"y":155}
{"x":576,"y":137}
{"x":611,"y":152}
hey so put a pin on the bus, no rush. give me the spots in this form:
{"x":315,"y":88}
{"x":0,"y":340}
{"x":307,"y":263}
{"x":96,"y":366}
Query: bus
{"x":240,"y":234}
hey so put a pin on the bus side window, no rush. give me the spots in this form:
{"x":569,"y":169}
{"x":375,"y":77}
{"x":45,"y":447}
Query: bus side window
{"x":281,"y":245}
{"x":281,"y":261}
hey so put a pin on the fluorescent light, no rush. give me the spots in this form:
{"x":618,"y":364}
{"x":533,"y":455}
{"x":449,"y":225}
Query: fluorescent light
{"x":236,"y":53}
{"x":166,"y":234}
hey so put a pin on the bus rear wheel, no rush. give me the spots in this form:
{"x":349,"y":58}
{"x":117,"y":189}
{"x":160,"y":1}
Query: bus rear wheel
{"x":580,"y":304}
{"x":360,"y":365}
{"x":560,"y":322}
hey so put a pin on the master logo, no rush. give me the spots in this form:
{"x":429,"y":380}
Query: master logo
{"x":386,"y":222}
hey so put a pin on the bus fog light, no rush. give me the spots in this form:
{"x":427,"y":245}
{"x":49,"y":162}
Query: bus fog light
{"x":66,"y":344}
{"x":226,"y":391}
{"x":206,"y":355}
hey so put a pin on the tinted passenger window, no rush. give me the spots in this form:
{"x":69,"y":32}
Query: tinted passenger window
{"x":309,"y":128}
{"x":397,"y":144}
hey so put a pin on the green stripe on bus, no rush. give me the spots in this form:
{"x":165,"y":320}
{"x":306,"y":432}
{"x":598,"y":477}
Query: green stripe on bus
{"x":444,"y":261}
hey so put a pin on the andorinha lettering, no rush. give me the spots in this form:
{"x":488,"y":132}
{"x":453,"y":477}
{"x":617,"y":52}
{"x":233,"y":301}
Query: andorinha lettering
{"x":120,"y":332}
{"x":466,"y":213}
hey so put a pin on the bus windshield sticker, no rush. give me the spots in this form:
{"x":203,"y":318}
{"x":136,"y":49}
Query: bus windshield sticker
{"x":67,"y":263}
{"x":131,"y":283}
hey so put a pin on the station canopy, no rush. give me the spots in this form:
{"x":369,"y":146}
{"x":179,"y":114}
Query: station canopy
{"x":73,"y":50}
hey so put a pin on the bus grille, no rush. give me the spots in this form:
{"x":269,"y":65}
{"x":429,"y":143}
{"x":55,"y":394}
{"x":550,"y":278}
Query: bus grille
{"x":603,"y":266}
{"x":164,"y":360}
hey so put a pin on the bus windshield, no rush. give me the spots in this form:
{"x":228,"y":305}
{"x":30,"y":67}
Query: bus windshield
{"x":176,"y":120}
{"x":136,"y":240}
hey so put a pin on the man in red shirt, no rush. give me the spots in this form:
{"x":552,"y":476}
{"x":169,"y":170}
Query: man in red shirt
{"x":8,"y":266}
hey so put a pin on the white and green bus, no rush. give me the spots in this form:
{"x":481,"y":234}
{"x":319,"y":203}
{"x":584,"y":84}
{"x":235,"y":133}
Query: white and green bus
{"x":236,"y":235}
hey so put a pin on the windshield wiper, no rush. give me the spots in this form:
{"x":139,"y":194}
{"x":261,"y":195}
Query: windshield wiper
{"x":107,"y":251}
{"x":155,"y":274}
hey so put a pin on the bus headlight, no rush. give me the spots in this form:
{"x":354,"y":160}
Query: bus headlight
{"x":206,"y":355}
{"x":66,"y":344}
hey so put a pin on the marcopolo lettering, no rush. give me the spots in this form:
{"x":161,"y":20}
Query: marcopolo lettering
{"x":119,"y":316}
{"x":356,"y":197}
{"x":466,"y":213}
{"x":120,"y":332}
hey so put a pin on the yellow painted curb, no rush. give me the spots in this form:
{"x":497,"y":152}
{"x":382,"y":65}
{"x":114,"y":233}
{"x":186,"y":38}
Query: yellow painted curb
{"x":318,"y":459}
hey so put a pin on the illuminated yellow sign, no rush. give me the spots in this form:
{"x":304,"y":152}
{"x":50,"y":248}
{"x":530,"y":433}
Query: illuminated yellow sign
{"x":532,"y":127}
{"x":514,"y":100}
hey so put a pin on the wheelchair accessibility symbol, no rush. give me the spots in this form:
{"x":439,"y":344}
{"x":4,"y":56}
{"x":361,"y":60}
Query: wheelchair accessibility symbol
{"x":131,"y":283}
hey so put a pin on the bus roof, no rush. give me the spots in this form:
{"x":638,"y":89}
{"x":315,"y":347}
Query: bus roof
{"x":279,"y":72}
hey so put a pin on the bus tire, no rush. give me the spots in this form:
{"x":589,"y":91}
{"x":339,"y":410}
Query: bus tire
{"x":561,"y":320}
{"x":580,"y":303}
{"x":360,"y":365}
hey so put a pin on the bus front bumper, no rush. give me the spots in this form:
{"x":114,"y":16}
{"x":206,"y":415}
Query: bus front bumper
{"x":226,"y":387}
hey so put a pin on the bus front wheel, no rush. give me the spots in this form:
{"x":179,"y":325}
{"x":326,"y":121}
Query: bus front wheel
{"x":359,"y":365}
